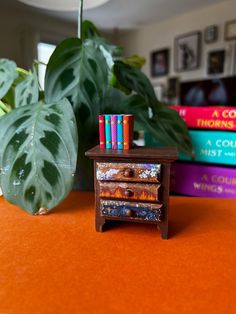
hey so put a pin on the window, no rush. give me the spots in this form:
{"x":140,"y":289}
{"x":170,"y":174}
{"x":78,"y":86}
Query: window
{"x":44,"y":53}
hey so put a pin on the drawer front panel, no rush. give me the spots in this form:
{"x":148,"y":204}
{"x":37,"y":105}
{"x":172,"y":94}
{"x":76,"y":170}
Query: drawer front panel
{"x":136,"y":211}
{"x":128,"y":172}
{"x":131,"y":191}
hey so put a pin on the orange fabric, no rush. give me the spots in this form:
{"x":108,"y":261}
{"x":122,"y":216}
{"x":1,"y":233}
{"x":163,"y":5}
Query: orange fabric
{"x":59,"y":264}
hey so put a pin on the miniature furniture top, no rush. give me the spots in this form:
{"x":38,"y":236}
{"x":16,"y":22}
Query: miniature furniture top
{"x":139,"y":152}
{"x":59,"y":264}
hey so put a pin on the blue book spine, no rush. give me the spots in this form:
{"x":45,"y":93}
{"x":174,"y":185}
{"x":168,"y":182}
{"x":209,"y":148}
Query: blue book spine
{"x":218,"y":147}
{"x":108,"y":131}
{"x":120,"y":137}
{"x":213,"y":147}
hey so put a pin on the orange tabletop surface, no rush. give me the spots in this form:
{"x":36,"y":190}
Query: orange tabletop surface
{"x":58,"y":264}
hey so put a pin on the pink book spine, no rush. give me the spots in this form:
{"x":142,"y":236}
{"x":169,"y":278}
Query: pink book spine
{"x":114,"y":131}
{"x":102,"y":139}
{"x":218,"y":118}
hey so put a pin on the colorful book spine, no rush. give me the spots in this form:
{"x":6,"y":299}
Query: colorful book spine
{"x":213,"y":147}
{"x":108,"y":131}
{"x":120,"y":139}
{"x":102,"y":138}
{"x":128,"y":126}
{"x":218,"y":118}
{"x":209,"y":146}
{"x":114,"y":131}
{"x":203,"y":180}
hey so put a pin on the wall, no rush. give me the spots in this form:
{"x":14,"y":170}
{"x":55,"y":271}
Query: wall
{"x":22,"y":29}
{"x":161,"y":35}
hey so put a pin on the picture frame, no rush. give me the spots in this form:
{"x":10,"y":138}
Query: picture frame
{"x":173,"y":90}
{"x":173,"y":86}
{"x":230,"y":30}
{"x":188,"y":51}
{"x":160,"y":62}
{"x":211,"y":34}
{"x":216,"y":60}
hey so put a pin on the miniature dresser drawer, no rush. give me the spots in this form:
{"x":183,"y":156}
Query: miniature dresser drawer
{"x":131,"y":210}
{"x":131,"y":191}
{"x":132,"y":185}
{"x":128,"y":172}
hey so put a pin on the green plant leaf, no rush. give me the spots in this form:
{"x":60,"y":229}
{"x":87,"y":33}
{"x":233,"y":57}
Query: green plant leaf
{"x":7,"y":75}
{"x":38,"y":155}
{"x":79,"y":72}
{"x":27,"y":91}
{"x":4,"y":107}
{"x":9,"y":97}
{"x":135,"y":80}
{"x":166,"y":126}
{"x":109,"y":51}
{"x":169,"y":128}
{"x":163,"y":123}
{"x":135,"y":61}
{"x":2,"y":112}
{"x":89,"y":31}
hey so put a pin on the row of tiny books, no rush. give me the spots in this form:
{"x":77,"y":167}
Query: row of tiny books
{"x":116,"y":131}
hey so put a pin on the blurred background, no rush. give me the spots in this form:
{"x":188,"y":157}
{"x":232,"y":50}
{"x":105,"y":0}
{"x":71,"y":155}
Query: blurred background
{"x":154,"y":29}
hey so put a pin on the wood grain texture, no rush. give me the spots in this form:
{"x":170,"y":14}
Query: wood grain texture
{"x":135,"y":153}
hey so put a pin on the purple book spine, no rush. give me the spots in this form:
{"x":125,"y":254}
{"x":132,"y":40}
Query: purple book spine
{"x":203,"y":180}
{"x":114,"y":131}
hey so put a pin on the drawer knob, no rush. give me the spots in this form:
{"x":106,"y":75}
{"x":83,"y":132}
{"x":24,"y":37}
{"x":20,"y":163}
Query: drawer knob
{"x":128,"y":172}
{"x":128,"y":213}
{"x":129,"y":193}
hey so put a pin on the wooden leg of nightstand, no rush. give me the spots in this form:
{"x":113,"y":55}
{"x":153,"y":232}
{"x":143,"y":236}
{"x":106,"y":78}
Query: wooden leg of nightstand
{"x":164,"y":231}
{"x":100,"y":222}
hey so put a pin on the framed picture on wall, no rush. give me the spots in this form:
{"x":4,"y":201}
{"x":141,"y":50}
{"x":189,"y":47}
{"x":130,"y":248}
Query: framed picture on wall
{"x":216,"y":61}
{"x":187,"y":52}
{"x":230,"y":30}
{"x":211,"y":34}
{"x":160,"y":62}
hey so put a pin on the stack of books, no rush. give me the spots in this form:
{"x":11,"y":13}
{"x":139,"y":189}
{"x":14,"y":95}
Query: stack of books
{"x":116,"y":131}
{"x":212,"y":173}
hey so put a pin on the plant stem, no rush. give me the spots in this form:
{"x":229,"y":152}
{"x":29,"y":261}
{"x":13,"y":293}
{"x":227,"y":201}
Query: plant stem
{"x":80,"y":18}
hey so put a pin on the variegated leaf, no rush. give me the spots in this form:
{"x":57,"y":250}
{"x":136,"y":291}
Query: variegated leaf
{"x":27,"y":92}
{"x":79,"y":72}
{"x":135,"y":80}
{"x":4,"y":108}
{"x":38,"y":155}
{"x":7,"y":75}
{"x":89,"y":31}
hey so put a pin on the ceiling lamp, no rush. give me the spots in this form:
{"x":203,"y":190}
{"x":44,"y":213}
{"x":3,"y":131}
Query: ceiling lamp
{"x":64,"y":5}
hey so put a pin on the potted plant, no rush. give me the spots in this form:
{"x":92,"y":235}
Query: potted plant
{"x":43,"y":132}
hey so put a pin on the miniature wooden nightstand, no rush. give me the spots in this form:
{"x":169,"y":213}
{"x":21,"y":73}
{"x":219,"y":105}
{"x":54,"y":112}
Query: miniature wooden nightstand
{"x":132,"y":185}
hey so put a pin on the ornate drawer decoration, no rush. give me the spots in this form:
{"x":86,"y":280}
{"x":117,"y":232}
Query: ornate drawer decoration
{"x":132,"y":185}
{"x":128,"y":172}
{"x":146,"y":211}
{"x":127,"y":190}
